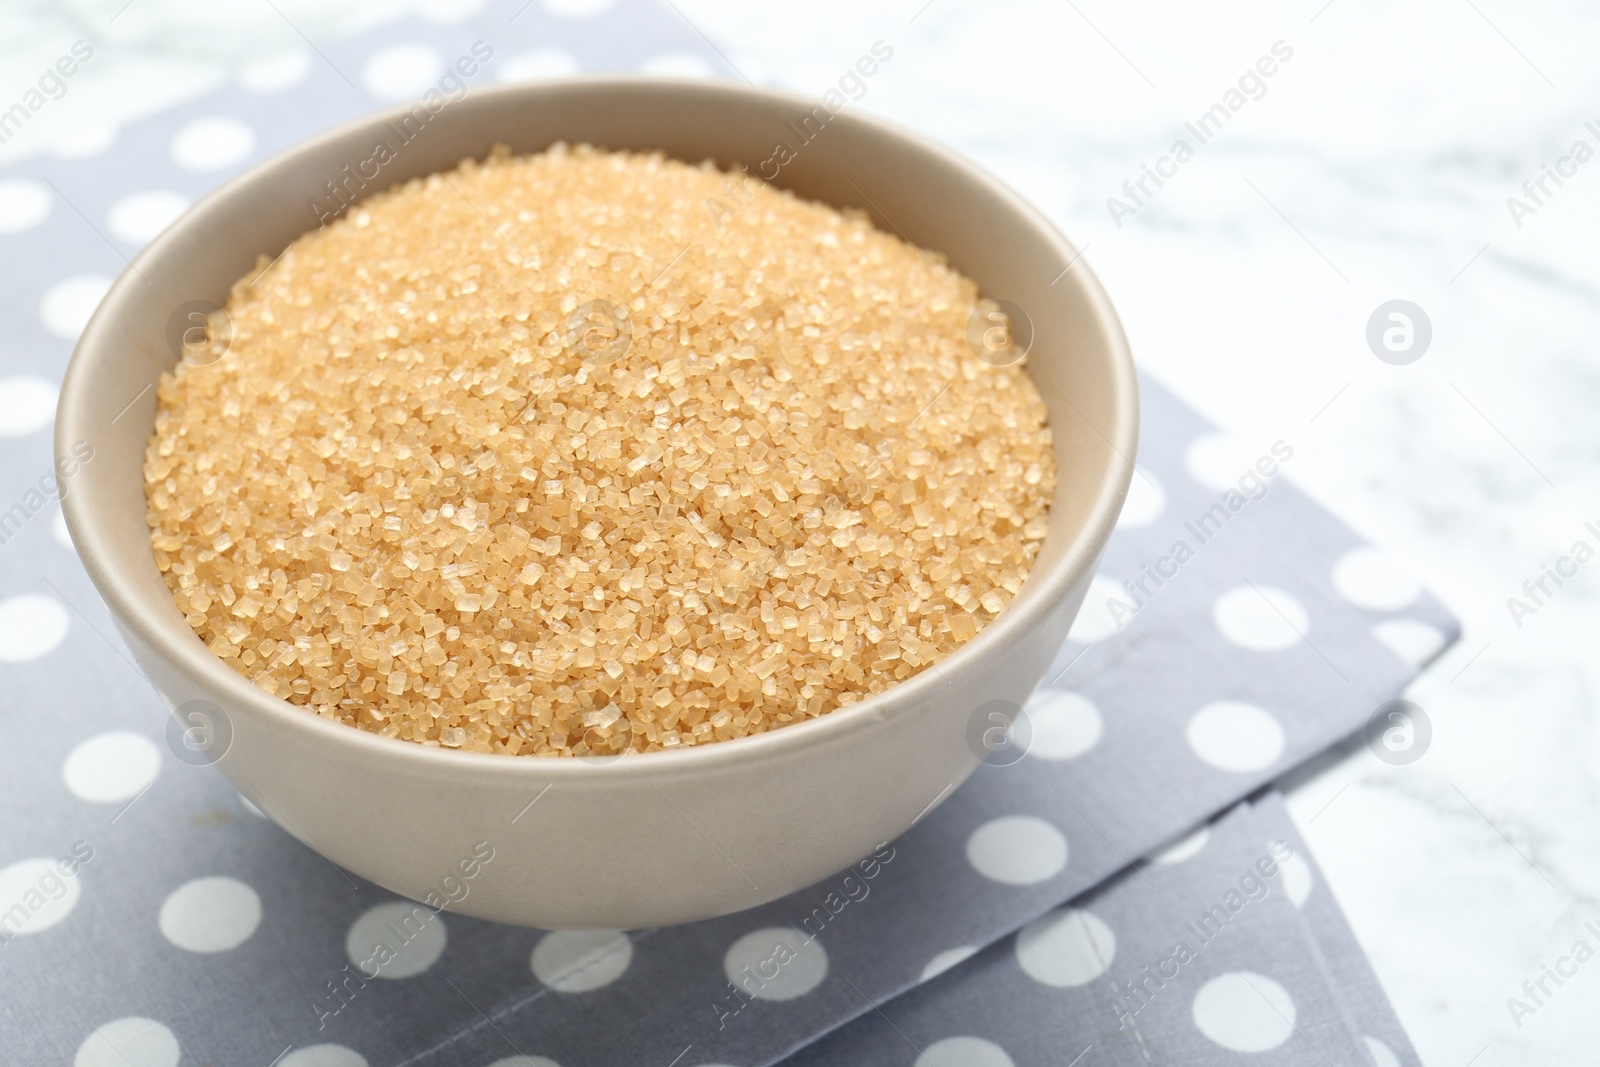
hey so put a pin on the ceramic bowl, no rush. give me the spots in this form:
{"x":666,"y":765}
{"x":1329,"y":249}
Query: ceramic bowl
{"x":649,"y":838}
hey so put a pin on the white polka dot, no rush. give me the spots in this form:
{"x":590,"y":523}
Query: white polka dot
{"x":946,"y":960}
{"x":31,"y":626}
{"x":85,"y":142}
{"x":576,"y":961}
{"x":1067,"y":947}
{"x":1382,"y":1054}
{"x":27,"y":404}
{"x":1095,"y":621}
{"x":1186,"y":847}
{"x":1297,"y":880}
{"x":138,"y":217}
{"x":677,"y":65}
{"x":1261,"y":617}
{"x":1244,"y":1011}
{"x":1017,"y":850}
{"x":68,"y":304}
{"x":964,"y":1052}
{"x":43,"y":893}
{"x":212,"y":144}
{"x":323,"y":1056}
{"x":525,"y":1061}
{"x":275,"y":73}
{"x":58,"y":526}
{"x":250,"y":807}
{"x":24,"y":204}
{"x":130,"y":1042}
{"x":1145,"y":502}
{"x":1372,"y":578}
{"x":396,"y":940}
{"x":402,"y":71}
{"x":112,"y":767}
{"x":210,"y":914}
{"x":1217,"y":461}
{"x":1414,"y":641}
{"x":451,"y":12}
{"x":775,"y":963}
{"x":577,"y":9}
{"x":1064,"y":725}
{"x":537,"y":64}
{"x":1236,"y":737}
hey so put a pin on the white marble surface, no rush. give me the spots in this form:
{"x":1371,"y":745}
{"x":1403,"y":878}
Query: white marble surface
{"x":1376,"y":166}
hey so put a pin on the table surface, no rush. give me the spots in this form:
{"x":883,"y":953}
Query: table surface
{"x":1375,"y":163}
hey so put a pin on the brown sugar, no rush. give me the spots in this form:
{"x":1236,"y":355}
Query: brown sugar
{"x":585,"y":452}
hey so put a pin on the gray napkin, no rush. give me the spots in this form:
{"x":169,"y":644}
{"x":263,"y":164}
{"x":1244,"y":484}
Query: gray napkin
{"x":1212,"y":948}
{"x":148,"y":917}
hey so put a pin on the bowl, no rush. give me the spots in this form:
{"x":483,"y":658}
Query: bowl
{"x":648,"y":838}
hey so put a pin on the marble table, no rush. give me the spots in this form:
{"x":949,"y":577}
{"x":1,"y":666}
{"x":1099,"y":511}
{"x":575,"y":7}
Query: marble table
{"x":1383,"y":157}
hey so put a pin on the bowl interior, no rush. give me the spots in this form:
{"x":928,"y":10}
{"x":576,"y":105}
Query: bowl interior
{"x":932,"y":198}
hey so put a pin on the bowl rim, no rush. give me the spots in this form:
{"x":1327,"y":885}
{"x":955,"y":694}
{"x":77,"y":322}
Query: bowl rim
{"x":181,"y":648}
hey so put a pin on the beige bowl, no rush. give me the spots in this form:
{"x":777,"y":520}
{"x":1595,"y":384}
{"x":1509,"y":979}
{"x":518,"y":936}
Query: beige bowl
{"x":661,"y":837}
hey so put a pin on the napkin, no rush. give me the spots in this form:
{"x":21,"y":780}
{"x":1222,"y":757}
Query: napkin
{"x":150,"y":916}
{"x":1217,"y":945}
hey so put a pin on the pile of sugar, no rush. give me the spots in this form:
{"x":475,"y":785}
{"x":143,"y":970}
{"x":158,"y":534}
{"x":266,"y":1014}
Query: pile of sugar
{"x":413,"y":498}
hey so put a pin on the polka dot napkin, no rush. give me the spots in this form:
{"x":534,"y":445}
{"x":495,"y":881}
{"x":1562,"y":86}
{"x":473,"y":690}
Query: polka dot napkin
{"x":1215,"y":946}
{"x":149,"y":917}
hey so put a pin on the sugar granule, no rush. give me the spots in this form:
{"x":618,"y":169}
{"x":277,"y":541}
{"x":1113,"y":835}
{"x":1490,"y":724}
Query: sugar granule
{"x":582,"y":452}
